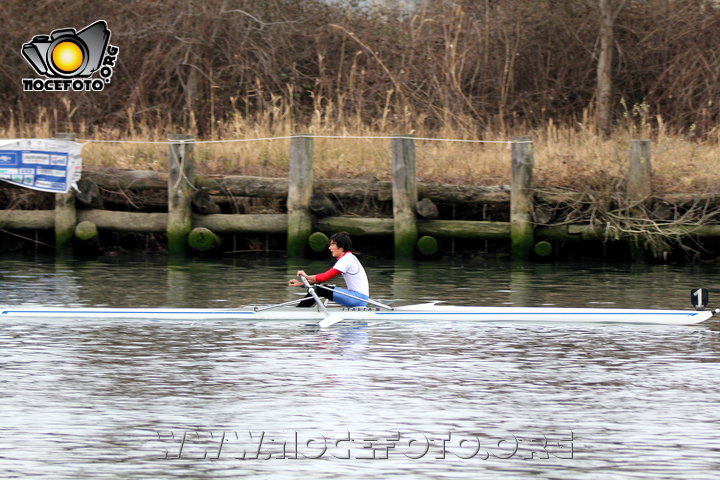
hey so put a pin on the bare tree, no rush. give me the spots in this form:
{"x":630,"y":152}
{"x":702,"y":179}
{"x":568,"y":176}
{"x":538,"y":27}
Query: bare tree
{"x":609,"y":10}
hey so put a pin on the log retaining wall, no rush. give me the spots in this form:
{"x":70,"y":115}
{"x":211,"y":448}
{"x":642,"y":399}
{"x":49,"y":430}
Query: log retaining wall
{"x":519,"y":199}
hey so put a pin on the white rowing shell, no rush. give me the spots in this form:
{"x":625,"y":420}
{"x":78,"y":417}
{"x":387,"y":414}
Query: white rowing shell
{"x":408,"y":312}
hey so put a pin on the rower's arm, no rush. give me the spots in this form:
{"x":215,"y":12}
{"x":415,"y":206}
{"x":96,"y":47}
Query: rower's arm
{"x":324,"y":277}
{"x":310,"y":278}
{"x":320,"y":277}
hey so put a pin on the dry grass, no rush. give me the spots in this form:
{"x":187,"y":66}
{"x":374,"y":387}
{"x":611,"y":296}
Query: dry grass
{"x":566,"y":156}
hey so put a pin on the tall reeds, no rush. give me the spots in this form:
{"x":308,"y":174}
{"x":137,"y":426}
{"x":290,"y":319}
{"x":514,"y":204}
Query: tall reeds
{"x":458,"y":69}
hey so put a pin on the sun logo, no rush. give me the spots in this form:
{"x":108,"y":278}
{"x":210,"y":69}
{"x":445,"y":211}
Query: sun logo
{"x":67,"y":57}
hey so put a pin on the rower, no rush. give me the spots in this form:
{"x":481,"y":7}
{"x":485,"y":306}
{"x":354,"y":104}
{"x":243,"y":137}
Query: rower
{"x":348,"y":266}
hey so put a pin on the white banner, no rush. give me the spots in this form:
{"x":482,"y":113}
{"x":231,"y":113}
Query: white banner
{"x":41,"y":164}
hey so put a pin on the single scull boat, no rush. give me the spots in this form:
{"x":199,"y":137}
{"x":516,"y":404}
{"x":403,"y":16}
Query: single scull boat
{"x":427,"y":311}
{"x":328,"y":315}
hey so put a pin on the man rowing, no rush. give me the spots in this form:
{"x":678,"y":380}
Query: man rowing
{"x":346,"y":265}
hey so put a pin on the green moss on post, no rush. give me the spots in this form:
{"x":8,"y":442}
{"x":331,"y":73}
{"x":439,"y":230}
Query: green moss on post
{"x":203,"y":239}
{"x":299,"y":228}
{"x":427,"y":245}
{"x":65,"y":219}
{"x":180,"y":175}
{"x":85,"y":231}
{"x":318,"y":242}
{"x":521,"y":199}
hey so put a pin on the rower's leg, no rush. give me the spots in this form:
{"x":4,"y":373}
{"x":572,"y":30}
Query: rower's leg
{"x":309,"y":301}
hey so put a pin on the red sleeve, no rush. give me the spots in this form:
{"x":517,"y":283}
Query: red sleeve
{"x":324,"y":277}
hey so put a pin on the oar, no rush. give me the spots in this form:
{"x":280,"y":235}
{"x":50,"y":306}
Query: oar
{"x":329,"y":319}
{"x":366,"y":300}
{"x":286,"y":304}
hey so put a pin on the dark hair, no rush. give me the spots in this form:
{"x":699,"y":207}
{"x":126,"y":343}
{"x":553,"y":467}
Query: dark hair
{"x":342,"y":240}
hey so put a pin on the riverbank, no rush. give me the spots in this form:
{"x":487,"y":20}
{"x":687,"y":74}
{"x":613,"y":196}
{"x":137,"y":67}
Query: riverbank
{"x":570,"y":155}
{"x":118,"y":210}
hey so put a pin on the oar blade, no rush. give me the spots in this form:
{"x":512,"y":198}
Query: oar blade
{"x":330,"y":320}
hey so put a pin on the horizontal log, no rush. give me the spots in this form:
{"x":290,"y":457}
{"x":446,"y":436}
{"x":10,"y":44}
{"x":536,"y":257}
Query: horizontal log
{"x":689,"y":198}
{"x":575,"y":232}
{"x":354,"y":189}
{"x":599,"y":232}
{"x":557,"y":196}
{"x":464,"y":229}
{"x":277,"y":223}
{"x":347,"y":189}
{"x":439,"y":228}
{"x":350,"y":189}
{"x":267,"y":187}
{"x":27,"y":219}
{"x":157,"y":222}
{"x":702,"y":231}
{"x":125,"y":221}
{"x":244,"y":186}
{"x":443,"y":193}
{"x":224,"y":223}
{"x":355,"y":225}
{"x":118,"y":178}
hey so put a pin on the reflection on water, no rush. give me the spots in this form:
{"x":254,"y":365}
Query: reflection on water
{"x":178,"y":399}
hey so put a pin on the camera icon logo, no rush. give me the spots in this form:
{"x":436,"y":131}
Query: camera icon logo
{"x":67,"y":56}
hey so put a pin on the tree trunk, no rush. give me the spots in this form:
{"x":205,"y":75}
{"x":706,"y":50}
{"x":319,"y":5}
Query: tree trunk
{"x":604,"y":68}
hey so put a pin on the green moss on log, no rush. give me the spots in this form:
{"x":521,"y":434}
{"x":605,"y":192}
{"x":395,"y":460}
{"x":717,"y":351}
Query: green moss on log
{"x":427,"y":245}
{"x":318,"y":241}
{"x":543,"y":249}
{"x":86,"y":231}
{"x":203,"y":239}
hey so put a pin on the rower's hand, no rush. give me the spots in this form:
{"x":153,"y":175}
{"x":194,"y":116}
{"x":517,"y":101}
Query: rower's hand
{"x":295,"y":283}
{"x":301,"y":273}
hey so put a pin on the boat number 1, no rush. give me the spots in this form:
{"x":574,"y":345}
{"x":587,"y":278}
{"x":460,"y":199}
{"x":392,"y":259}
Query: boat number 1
{"x":699,"y":297}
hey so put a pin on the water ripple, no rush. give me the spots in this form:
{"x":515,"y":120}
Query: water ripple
{"x":174,"y":399}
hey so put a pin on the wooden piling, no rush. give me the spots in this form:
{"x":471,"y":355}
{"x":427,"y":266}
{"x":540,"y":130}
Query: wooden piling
{"x":639,"y":186}
{"x":65,"y":213}
{"x":639,"y":189}
{"x":521,"y":199}
{"x":300,"y":189}
{"x":180,"y":189}
{"x":404,"y":194}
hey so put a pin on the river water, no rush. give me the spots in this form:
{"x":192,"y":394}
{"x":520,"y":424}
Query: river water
{"x":427,"y":399}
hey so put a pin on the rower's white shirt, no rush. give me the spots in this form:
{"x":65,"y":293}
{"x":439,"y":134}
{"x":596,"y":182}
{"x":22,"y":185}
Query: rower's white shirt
{"x":353,"y":273}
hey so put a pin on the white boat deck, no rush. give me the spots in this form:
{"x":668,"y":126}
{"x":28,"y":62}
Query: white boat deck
{"x":427,"y":311}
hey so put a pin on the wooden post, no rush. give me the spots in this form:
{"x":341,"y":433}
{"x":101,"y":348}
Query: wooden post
{"x":180,"y":177}
{"x":65,"y":213}
{"x":521,"y":199}
{"x":300,"y":188}
{"x":404,"y":193}
{"x":638,"y":185}
{"x":639,"y":188}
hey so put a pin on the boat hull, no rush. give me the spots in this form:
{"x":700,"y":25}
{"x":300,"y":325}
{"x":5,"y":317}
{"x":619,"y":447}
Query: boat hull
{"x":405,"y":313}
